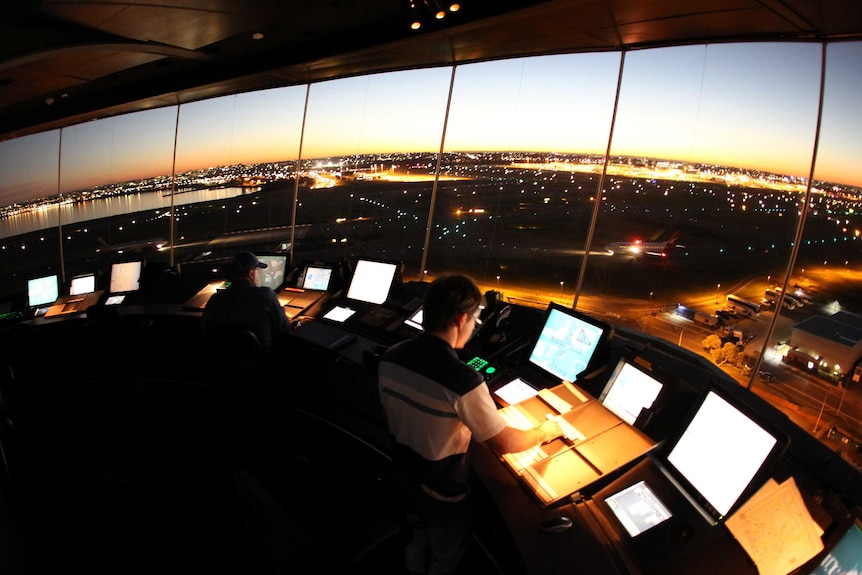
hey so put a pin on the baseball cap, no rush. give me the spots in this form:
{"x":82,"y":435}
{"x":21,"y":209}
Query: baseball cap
{"x":244,"y":261}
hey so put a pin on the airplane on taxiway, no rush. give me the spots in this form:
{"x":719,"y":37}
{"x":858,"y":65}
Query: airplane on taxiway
{"x":152,"y":244}
{"x":639,"y":247}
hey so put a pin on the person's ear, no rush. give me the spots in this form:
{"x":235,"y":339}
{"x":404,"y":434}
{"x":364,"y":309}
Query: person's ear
{"x":463,"y":318}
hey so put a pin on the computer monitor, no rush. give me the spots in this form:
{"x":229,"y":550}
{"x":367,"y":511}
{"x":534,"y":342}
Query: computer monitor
{"x":43,"y":290}
{"x":125,"y":276}
{"x":845,"y":556}
{"x":372,"y":280}
{"x":272,"y":276}
{"x":82,"y":284}
{"x":568,"y":343}
{"x":723,"y":455}
{"x":629,"y":390}
{"x":638,"y":508}
{"x":415,"y":320}
{"x":316,"y":277}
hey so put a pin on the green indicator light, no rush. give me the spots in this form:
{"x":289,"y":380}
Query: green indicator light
{"x":490,"y":370}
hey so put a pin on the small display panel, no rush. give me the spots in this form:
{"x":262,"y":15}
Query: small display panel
{"x":415,"y":320}
{"x":637,"y":508}
{"x":720,"y":455}
{"x":516,"y":391}
{"x":568,"y":342}
{"x":628,"y":391}
{"x":115,"y":300}
{"x":316,"y":278}
{"x":845,"y":557}
{"x":43,"y":290}
{"x":372,"y":280}
{"x":272,"y":276}
{"x":339,"y":313}
{"x":125,"y":277}
{"x":82,"y":284}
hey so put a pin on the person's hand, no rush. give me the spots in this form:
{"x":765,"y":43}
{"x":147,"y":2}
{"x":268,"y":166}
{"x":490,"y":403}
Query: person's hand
{"x":550,"y":430}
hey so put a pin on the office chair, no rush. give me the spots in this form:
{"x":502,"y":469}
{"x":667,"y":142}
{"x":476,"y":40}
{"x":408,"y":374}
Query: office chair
{"x":233,"y":359}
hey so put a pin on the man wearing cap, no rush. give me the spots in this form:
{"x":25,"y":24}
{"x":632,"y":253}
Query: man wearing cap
{"x":245,"y":304}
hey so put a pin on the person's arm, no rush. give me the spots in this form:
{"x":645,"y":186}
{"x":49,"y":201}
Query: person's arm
{"x":512,"y":440}
{"x":281,"y":323}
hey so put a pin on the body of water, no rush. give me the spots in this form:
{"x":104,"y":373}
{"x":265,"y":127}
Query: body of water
{"x":52,"y":215}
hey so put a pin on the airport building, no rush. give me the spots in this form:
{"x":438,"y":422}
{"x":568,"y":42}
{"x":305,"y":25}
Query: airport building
{"x":829,"y":345}
{"x":591,"y":164}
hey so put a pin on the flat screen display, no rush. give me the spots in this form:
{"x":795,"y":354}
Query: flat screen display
{"x":125,"y":277}
{"x":722,"y":455}
{"x":568,"y":343}
{"x":415,"y":320}
{"x":82,"y":284}
{"x":628,"y":391}
{"x":272,"y":276}
{"x":372,"y":280}
{"x":316,"y":278}
{"x":845,"y":557}
{"x":339,"y":313}
{"x":43,"y":290}
{"x":516,"y":391}
{"x":637,"y":508}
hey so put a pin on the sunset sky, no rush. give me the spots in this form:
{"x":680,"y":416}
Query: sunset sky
{"x":742,"y":105}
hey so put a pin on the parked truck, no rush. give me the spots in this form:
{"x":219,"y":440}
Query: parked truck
{"x":710,"y":321}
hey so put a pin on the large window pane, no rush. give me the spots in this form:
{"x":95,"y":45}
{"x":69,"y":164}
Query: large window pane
{"x":369,"y":153}
{"x":526,"y":134}
{"x":241,"y":150}
{"x":716,"y":143}
{"x":827,"y":274}
{"x":28,"y":227}
{"x":119,"y":167}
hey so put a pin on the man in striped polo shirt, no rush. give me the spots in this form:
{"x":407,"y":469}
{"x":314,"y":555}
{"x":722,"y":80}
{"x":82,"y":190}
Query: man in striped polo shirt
{"x":435,"y":404}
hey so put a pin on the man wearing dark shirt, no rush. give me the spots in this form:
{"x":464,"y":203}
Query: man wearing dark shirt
{"x":245,"y":304}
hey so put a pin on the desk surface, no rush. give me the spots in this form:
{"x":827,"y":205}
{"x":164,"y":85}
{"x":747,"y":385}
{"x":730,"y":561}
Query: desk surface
{"x":575,"y":550}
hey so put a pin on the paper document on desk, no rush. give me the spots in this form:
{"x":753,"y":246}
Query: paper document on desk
{"x":776,"y":529}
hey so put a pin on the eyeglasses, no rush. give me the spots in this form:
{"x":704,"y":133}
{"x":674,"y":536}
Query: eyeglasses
{"x":476,"y":319}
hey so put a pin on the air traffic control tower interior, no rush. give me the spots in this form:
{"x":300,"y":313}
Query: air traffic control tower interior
{"x":133,"y":442}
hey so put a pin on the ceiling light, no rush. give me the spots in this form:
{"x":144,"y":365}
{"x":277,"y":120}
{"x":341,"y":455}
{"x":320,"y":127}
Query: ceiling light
{"x":422,"y":11}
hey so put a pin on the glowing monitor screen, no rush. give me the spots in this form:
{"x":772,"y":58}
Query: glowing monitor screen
{"x":272,"y":276}
{"x":568,"y":342}
{"x":372,"y":280}
{"x":84,"y":284}
{"x":125,"y":277}
{"x":415,"y":320}
{"x":516,"y":391}
{"x":628,"y":391}
{"x":339,"y":314}
{"x":43,"y":290}
{"x":637,"y":508}
{"x":316,"y":278}
{"x":845,"y":557}
{"x":720,"y":454}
